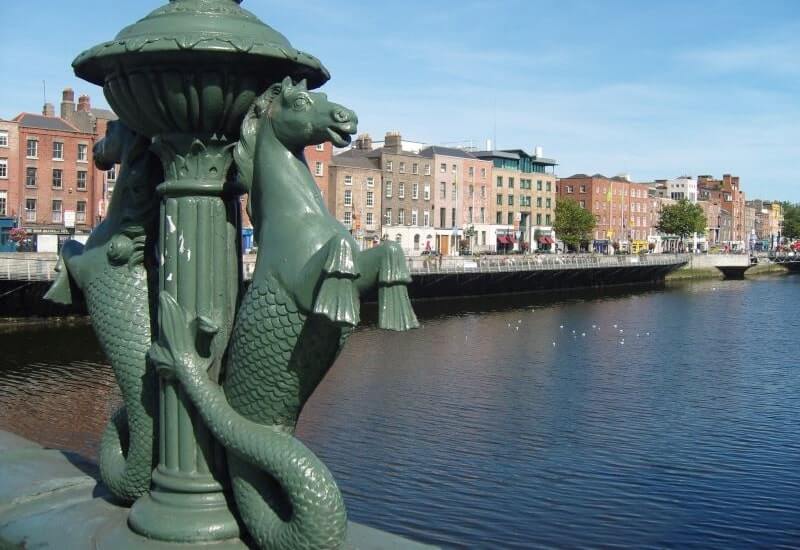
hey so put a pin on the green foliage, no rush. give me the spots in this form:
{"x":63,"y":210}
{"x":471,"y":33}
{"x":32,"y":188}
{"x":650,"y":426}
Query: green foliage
{"x":573,"y":223}
{"x":791,"y":220}
{"x":682,"y":218}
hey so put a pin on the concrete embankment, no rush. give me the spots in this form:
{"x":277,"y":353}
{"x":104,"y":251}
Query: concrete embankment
{"x":706,"y":267}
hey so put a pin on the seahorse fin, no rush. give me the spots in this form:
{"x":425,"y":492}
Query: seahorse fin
{"x":337,"y":300}
{"x":394,"y":308}
{"x":63,"y":291}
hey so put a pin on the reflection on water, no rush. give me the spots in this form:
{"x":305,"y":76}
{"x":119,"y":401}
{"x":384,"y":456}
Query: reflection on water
{"x":498,"y":428}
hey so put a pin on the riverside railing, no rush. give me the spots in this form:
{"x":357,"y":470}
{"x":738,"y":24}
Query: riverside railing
{"x":34,"y":267}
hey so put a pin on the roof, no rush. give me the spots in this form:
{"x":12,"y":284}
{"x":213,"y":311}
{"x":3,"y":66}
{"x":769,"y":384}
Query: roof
{"x":355,"y":161}
{"x":496,"y":154}
{"x":106,"y":114}
{"x":28,"y":120}
{"x":534,"y":158}
{"x":428,"y":152}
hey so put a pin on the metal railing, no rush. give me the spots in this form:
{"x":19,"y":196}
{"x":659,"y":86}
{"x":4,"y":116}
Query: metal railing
{"x":38,"y":267}
{"x":534,"y":262}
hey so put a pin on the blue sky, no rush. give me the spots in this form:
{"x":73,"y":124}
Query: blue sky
{"x":653,"y":89}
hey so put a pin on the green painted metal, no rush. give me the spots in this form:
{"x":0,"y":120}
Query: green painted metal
{"x":204,"y":83}
{"x":114,"y":273}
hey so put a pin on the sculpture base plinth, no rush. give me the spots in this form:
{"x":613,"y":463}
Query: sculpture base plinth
{"x":52,"y":499}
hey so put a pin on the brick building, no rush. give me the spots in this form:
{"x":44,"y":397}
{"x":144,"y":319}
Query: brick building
{"x":621,"y":207}
{"x":354,"y":198}
{"x":728,"y":194}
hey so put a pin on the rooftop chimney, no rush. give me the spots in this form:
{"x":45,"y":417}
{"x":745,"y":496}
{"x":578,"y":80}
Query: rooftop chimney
{"x":49,"y":110}
{"x":538,"y":152}
{"x":393,"y":141}
{"x":67,"y":103}
{"x":84,"y":104}
{"x":363,"y":142}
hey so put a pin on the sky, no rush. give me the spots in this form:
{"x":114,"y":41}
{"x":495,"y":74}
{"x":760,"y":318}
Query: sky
{"x":654,"y":89}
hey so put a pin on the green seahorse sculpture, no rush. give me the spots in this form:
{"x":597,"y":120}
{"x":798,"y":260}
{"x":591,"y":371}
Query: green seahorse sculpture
{"x":293,"y":321}
{"x":114,"y":274}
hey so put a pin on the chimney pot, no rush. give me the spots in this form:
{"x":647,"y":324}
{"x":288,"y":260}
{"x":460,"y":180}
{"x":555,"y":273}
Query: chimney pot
{"x":49,"y":110}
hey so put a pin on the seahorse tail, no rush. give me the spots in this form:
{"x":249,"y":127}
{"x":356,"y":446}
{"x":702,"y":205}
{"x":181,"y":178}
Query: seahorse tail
{"x":126,"y":458}
{"x":312,"y":514}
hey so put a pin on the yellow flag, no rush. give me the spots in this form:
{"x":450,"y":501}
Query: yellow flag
{"x":608,"y":194}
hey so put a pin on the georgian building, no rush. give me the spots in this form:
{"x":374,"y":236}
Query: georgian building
{"x":728,"y":194}
{"x":621,"y":207}
{"x":354,"y":197}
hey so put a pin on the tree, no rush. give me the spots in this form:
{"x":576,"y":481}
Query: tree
{"x":682,"y":219}
{"x":791,"y":220}
{"x":573,"y":223}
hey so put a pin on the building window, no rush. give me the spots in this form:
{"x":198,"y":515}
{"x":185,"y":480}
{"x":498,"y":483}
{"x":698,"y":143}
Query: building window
{"x":547,"y":219}
{"x":387,"y":187}
{"x":549,"y":202}
{"x":539,"y":219}
{"x":511,"y":200}
{"x":538,"y":202}
{"x":111,"y":175}
{"x":3,"y":200}
{"x":33,"y":149}
{"x":569,"y":189}
{"x":83,"y":152}
{"x":3,"y":138}
{"x":81,"y":180}
{"x":483,"y":191}
{"x":499,"y":199}
{"x":387,"y":217}
{"x":426,"y":192}
{"x":454,"y":191}
{"x":442,"y":168}
{"x":499,"y":181}
{"x":58,"y":178}
{"x":471,"y":191}
{"x":498,"y":218}
{"x":348,"y":180}
{"x":58,"y":150}
{"x":583,"y":204}
{"x":320,"y":147}
{"x":4,"y":169}
{"x":416,"y":242}
{"x":471,"y":171}
{"x":318,"y":169}
{"x":583,"y":189}
{"x":442,"y":190}
{"x":415,"y":190}
{"x":483,"y":173}
{"x":415,"y":168}
{"x":401,"y":216}
{"x":369,"y":219}
{"x":539,"y":185}
{"x":511,"y":183}
{"x":57,"y":215}
{"x":548,"y":186}
{"x":348,"y":219}
{"x":402,"y":167}
{"x":469,"y":215}
{"x":30,"y":210}
{"x":483,"y":215}
{"x":80,"y":212}
{"x":370,"y":181}
{"x":414,"y":217}
{"x":426,"y":217}
{"x":30,"y":176}
{"x":370,"y":198}
{"x":454,"y":169}
{"x":388,"y":165}
{"x":348,"y":197}
{"x":401,"y":190}
{"x":427,"y":169}
{"x":510,"y":218}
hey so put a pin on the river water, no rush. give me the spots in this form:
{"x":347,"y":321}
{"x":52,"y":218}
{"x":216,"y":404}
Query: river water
{"x":647,"y":418}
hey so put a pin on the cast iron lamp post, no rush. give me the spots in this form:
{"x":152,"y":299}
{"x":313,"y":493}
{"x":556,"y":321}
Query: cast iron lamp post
{"x":185,"y":76}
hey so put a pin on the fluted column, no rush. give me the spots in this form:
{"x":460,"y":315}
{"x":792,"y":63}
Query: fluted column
{"x":200,"y":266}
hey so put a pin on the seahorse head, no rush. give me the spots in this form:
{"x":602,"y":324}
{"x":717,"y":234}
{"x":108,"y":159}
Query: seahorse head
{"x":300,"y":118}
